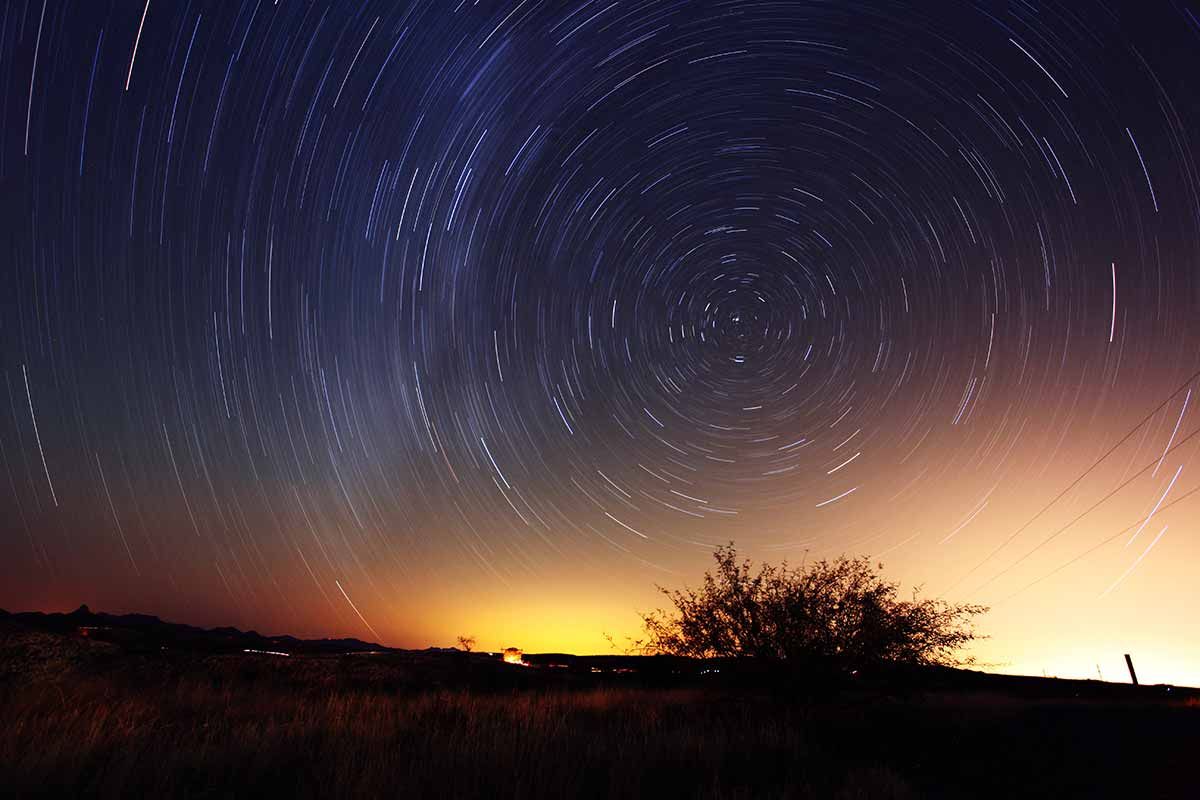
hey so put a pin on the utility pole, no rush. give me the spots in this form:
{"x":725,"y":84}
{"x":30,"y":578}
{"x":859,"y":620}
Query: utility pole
{"x":1132,"y":674}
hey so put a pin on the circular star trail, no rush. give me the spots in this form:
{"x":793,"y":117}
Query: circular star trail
{"x":321,"y":315}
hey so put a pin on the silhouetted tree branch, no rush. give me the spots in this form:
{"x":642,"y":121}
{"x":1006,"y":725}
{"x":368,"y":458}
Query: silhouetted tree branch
{"x":838,"y":614}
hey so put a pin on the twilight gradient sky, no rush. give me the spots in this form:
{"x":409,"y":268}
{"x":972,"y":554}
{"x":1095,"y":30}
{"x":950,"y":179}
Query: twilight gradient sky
{"x":404,"y":321}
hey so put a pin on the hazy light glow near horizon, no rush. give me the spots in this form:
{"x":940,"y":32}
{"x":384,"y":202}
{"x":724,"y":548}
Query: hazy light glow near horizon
{"x":410,"y":320}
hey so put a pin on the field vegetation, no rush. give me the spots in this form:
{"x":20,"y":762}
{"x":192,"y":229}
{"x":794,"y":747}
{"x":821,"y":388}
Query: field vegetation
{"x":117,"y":725}
{"x":809,"y":682}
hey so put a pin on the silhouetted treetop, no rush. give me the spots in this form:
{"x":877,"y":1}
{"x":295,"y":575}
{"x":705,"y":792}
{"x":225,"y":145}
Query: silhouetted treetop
{"x":831,"y":614}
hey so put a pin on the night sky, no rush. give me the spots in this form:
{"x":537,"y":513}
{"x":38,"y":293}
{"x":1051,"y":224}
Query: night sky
{"x":409,"y":321}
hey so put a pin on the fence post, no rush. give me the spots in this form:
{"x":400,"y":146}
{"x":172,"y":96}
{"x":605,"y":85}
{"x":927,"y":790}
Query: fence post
{"x":1132,"y":674}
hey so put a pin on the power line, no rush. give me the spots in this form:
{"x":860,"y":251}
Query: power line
{"x":1094,"y":548}
{"x":1084,"y":513}
{"x":1075,"y":482}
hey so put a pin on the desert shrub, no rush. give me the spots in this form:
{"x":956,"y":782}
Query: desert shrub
{"x":835,"y":614}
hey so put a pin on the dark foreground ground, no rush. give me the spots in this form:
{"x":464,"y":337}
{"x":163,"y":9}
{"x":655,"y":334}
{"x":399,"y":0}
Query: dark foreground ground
{"x":108,"y":714}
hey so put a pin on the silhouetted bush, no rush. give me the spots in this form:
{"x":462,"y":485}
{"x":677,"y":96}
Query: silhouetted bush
{"x":838,"y":615}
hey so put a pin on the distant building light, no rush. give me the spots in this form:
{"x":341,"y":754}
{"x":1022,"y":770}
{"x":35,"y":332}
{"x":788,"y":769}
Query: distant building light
{"x":266,"y":652}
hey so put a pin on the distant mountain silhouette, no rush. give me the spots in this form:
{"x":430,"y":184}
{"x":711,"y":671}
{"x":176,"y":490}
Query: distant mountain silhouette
{"x":151,"y":632}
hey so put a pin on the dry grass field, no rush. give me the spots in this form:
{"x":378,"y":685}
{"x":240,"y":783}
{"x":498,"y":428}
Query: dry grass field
{"x":86,"y":719}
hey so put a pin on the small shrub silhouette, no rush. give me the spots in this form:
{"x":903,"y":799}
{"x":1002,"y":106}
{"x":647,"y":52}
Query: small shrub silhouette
{"x":835,"y":615}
